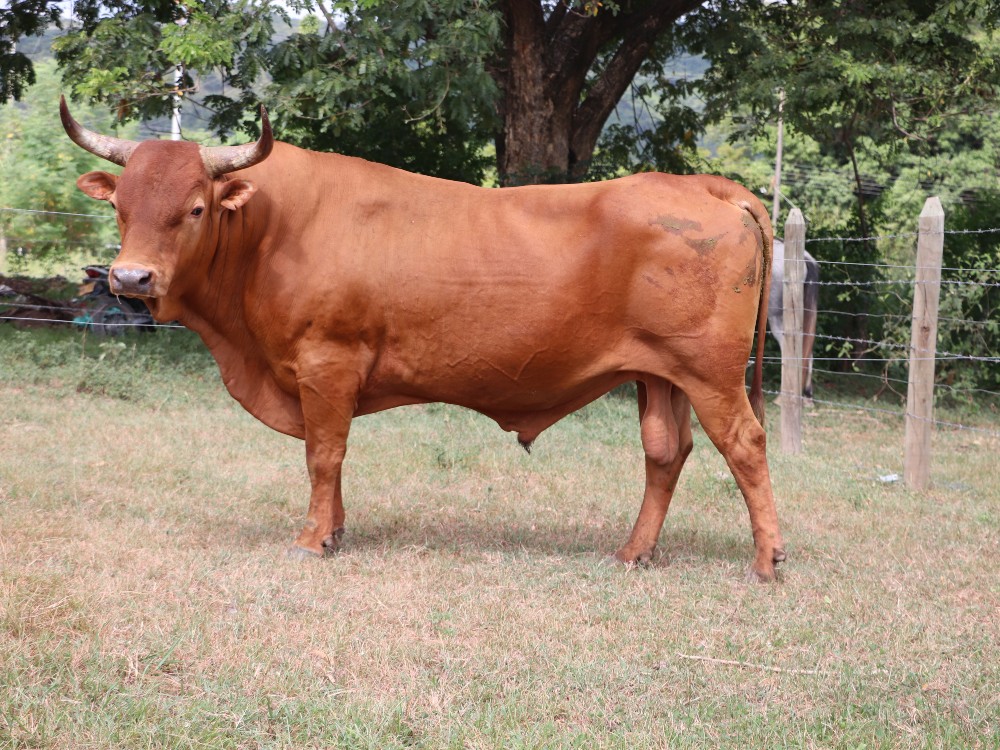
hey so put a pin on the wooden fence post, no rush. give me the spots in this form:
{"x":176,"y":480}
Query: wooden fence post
{"x":923,"y":347}
{"x":791,"y":363}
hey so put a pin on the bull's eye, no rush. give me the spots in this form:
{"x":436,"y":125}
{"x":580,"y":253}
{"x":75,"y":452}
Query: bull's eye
{"x":197,"y":211}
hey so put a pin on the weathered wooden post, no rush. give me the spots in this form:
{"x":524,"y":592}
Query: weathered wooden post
{"x":923,"y":347}
{"x":791,"y":363}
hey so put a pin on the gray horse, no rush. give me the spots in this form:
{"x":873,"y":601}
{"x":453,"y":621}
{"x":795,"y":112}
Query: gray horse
{"x":810,"y":304}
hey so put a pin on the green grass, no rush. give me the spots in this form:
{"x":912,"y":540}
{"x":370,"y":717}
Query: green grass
{"x":145,"y":600}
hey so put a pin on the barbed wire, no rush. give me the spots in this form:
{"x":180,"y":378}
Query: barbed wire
{"x":91,"y":323}
{"x":50,"y":308}
{"x":854,"y":406}
{"x":861,"y":287}
{"x":873,"y":287}
{"x":886,"y":181}
{"x":901,"y":316}
{"x":907,"y":282}
{"x":854,"y":373}
{"x":839,"y":405}
{"x":892,"y":412}
{"x":959,"y":389}
{"x":60,"y":242}
{"x":54,"y":213}
{"x":910,"y":180}
{"x":872,"y":238}
{"x":75,"y":310}
{"x":885,"y":378}
{"x":875,"y":344}
{"x":984,"y":279}
{"x":904,"y":347}
{"x":82,"y":308}
{"x":894,"y":266}
{"x":902,"y":235}
{"x":876,"y":360}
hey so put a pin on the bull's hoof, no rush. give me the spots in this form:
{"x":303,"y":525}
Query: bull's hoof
{"x":303,"y":549}
{"x":332,"y":543}
{"x":295,"y":552}
{"x":632,"y":560}
{"x":765,"y":573}
{"x":760,"y":576}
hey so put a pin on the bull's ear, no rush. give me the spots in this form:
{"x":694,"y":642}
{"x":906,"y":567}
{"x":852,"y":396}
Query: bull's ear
{"x":234,"y":193}
{"x":99,"y":185}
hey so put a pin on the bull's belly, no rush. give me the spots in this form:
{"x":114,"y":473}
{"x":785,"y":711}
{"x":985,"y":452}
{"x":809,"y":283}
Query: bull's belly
{"x":498,"y":372}
{"x":523,"y":388}
{"x":526,"y":409}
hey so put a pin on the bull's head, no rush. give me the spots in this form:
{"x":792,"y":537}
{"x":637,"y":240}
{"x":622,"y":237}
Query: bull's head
{"x":168,"y":201}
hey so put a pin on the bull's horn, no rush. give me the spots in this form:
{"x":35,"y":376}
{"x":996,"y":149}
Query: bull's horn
{"x":115,"y":150}
{"x":222,"y":159}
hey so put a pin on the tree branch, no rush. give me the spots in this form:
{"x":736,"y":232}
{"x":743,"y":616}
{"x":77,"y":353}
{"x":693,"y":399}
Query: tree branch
{"x":330,"y":25}
{"x":555,"y":17}
{"x":639,"y":35}
{"x":900,"y":128}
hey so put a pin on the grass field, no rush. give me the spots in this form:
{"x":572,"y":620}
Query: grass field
{"x":145,"y":600}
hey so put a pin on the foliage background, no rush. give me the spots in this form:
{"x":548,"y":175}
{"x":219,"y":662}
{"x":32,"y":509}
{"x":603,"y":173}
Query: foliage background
{"x":883,"y":107}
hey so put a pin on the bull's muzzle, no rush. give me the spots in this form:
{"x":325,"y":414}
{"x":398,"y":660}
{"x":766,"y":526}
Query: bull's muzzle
{"x":131,"y":281}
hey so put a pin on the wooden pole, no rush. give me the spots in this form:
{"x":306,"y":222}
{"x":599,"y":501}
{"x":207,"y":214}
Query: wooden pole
{"x":923,"y":347}
{"x":175,"y":117}
{"x":776,"y":206}
{"x":791,"y":349}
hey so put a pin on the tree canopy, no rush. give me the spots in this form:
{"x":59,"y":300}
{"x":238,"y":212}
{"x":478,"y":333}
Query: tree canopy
{"x":855,"y":77}
{"x":427,"y":85}
{"x":884,"y":104}
{"x":42,"y":214}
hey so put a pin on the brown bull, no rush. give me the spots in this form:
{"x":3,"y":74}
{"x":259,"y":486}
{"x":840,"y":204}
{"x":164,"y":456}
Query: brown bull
{"x":327,"y":287}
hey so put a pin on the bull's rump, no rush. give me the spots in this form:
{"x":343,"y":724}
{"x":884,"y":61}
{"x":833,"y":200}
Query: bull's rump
{"x":528,"y":299}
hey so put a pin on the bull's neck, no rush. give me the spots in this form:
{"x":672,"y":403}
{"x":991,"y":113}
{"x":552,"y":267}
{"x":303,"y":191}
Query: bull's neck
{"x":215,"y":301}
{"x":215,"y":308}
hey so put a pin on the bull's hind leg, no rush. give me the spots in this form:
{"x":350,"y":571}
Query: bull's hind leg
{"x":665,"y":418}
{"x":730,"y":423}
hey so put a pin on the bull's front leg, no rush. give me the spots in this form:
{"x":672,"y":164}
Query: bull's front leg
{"x":328,"y":402}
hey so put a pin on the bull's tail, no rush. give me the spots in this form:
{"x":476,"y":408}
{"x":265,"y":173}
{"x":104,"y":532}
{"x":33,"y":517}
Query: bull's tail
{"x":756,"y":209}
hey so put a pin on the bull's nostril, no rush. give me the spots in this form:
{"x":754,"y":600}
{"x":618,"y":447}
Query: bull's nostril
{"x":131,"y":280}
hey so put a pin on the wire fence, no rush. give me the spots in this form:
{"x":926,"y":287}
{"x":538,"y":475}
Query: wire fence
{"x":848,"y":357}
{"x":900,"y":413}
{"x":87,"y":324}
{"x":875,"y":301}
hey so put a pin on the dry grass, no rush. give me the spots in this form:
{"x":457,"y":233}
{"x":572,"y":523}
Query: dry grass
{"x":145,"y":600}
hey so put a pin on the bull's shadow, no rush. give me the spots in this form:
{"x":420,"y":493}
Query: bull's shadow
{"x":372,"y":532}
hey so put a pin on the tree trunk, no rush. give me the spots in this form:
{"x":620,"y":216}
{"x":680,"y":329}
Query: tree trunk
{"x":862,"y":217}
{"x":551,"y":113}
{"x":535,"y":135}
{"x":859,"y":322}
